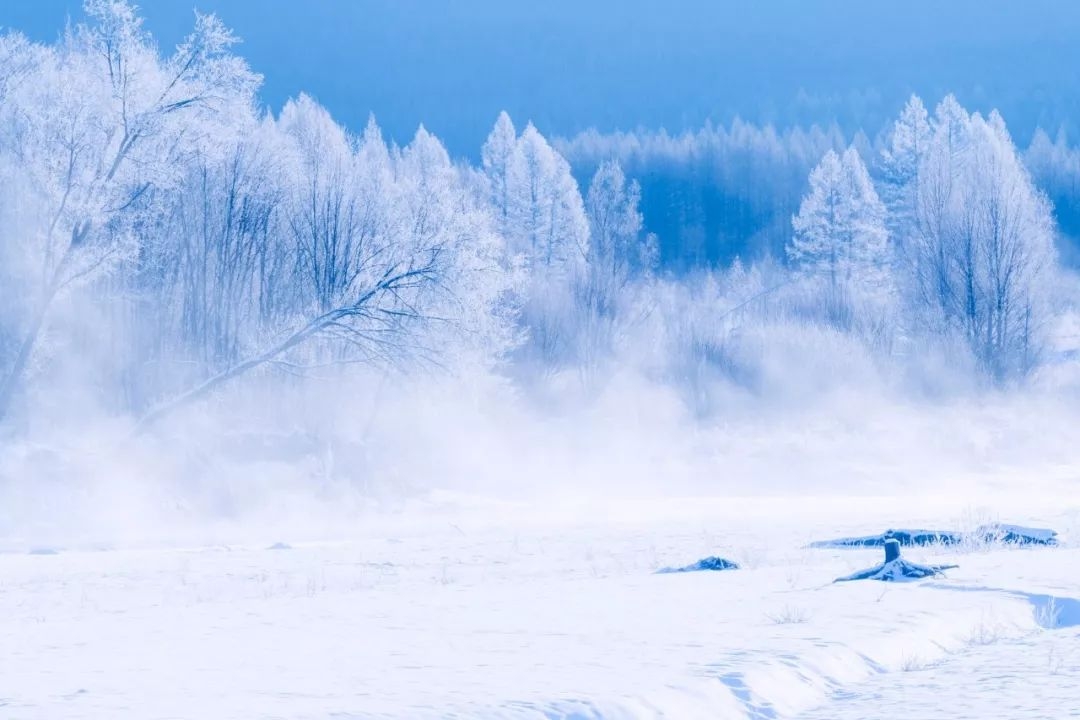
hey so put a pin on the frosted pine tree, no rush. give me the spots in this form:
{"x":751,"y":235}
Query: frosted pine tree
{"x":501,"y":158}
{"x":615,"y":223}
{"x":539,"y":212}
{"x":535,"y":200}
{"x":869,"y":237}
{"x":817,"y":245}
{"x":556,"y":228}
{"x":840,"y":233}
{"x":907,"y":147}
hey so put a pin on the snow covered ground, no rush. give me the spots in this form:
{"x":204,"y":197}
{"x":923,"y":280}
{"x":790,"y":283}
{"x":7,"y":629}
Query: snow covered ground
{"x":501,"y":613}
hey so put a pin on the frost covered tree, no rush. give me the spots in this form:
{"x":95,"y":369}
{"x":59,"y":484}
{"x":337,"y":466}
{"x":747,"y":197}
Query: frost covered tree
{"x":554,"y":238}
{"x":98,"y":126}
{"x":555,"y":230}
{"x":536,"y":201}
{"x":467,"y":312}
{"x":977,"y":235}
{"x":1013,"y":231}
{"x":907,"y":146}
{"x":502,"y":165}
{"x":393,"y":260}
{"x":1055,"y":167}
{"x":324,"y":213}
{"x":616,"y":247}
{"x":163,"y":235}
{"x":986,"y":255}
{"x":205,"y":241}
{"x":211,"y":277}
{"x":619,"y":257}
{"x":541,"y":215}
{"x":839,"y":232}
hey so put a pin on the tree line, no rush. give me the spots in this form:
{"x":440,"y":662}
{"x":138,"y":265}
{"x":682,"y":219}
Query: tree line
{"x":166,"y":236}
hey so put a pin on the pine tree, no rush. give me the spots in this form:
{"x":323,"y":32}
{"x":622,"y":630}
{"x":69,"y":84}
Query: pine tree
{"x":840,"y":230}
{"x":908,"y":144}
{"x":556,"y":230}
{"x":501,"y":158}
{"x":615,"y":223}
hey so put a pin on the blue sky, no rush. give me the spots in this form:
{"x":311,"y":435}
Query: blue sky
{"x":573,"y":64}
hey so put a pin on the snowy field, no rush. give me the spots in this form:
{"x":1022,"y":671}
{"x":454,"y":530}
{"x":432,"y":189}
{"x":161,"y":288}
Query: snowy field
{"x":491,"y":612}
{"x":305,"y":419}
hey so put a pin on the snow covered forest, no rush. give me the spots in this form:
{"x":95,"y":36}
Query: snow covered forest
{"x":165,"y":237}
{"x":300,"y":420}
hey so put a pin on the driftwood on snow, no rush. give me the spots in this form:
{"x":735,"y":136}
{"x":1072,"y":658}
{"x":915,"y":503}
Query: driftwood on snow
{"x":995,"y":533}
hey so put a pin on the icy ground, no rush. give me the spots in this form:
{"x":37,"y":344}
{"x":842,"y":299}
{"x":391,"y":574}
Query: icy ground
{"x":518,"y":616}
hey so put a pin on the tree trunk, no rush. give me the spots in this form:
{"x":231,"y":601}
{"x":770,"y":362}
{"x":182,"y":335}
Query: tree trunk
{"x":223,"y":377}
